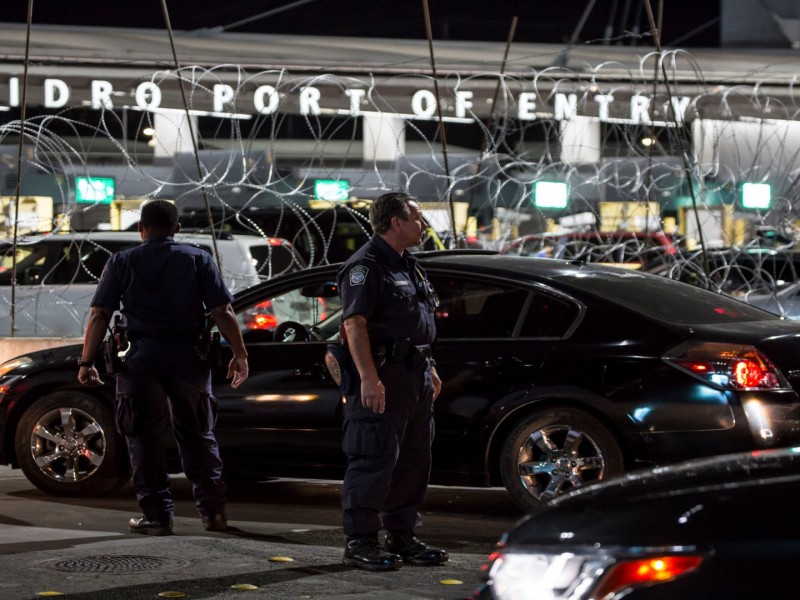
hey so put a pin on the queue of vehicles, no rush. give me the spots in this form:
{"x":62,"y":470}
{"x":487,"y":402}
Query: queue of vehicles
{"x":558,"y":374}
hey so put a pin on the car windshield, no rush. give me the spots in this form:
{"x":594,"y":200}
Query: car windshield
{"x":665,"y":299}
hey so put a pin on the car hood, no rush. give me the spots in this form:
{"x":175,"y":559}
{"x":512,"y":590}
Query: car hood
{"x":732,"y":499}
{"x":46,"y":359}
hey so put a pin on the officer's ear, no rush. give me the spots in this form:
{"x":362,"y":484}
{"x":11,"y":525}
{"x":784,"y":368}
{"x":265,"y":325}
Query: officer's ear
{"x":177,"y":229}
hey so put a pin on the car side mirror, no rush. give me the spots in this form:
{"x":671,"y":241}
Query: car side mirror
{"x":329,"y":289}
{"x":32,"y":276}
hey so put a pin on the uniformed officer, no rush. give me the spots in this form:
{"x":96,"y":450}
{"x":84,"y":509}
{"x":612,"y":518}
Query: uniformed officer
{"x":165,"y":288}
{"x":388,"y":311}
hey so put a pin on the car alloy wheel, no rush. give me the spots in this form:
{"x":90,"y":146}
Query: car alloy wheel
{"x":66,"y":445}
{"x":553,"y":452}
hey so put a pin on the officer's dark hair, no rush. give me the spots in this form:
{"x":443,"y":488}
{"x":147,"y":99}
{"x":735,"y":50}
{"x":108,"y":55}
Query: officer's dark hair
{"x":393,"y":204}
{"x":160,"y":215}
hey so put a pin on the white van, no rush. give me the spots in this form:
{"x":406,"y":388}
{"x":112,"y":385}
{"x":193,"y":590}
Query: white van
{"x":57,"y":274}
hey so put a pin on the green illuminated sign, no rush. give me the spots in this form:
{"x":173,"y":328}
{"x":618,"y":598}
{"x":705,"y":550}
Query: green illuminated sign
{"x":756,"y":195}
{"x":550,"y":194}
{"x":94,"y":189}
{"x":334,"y":190}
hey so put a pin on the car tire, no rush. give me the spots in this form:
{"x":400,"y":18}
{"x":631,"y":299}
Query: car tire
{"x":67,"y":445}
{"x":551,"y":452}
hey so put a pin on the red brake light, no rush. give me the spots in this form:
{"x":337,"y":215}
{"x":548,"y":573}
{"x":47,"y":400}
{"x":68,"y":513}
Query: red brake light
{"x":264,"y":322}
{"x":645,"y":572}
{"x":261,"y":317}
{"x":275,"y":241}
{"x":732,"y":366}
{"x":747,"y":373}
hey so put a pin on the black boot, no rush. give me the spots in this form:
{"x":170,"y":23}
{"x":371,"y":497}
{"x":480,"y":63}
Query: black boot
{"x":412,"y":550}
{"x":364,"y":552}
{"x":150,"y":527}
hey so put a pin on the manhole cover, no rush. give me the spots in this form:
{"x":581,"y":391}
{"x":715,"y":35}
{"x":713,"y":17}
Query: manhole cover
{"x":113,"y":564}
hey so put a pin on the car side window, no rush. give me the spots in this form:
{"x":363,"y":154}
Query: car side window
{"x":476,"y":309}
{"x":312,"y":312}
{"x":30,"y":262}
{"x":271,"y":260}
{"x":81,"y":262}
{"x":549,"y":316}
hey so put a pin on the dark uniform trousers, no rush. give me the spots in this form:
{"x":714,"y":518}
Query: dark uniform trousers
{"x":389,"y":454}
{"x":164,"y":378}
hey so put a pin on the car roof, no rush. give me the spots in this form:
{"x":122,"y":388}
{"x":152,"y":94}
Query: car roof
{"x":534,"y":268}
{"x":594,"y":235}
{"x":124,"y":236}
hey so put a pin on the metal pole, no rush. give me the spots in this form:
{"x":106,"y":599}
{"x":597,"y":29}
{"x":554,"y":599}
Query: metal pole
{"x":429,"y":33}
{"x":22,"y":116}
{"x":654,"y":30}
{"x":191,"y":131}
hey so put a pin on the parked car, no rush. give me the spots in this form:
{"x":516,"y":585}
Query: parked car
{"x":57,"y":274}
{"x":556,"y":374}
{"x":321,"y":235}
{"x":723,"y":527}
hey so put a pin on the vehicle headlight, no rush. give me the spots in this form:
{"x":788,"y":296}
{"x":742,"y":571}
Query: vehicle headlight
{"x":516,"y":576}
{"x":12,"y":364}
{"x":567,"y":576}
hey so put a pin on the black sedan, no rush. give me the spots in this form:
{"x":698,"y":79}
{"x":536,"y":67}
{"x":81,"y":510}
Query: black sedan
{"x":555,"y":374}
{"x":724,"y":527}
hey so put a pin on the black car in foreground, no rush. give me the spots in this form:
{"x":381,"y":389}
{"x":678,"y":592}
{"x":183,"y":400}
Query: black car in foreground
{"x":556,"y":374}
{"x":724,"y":527}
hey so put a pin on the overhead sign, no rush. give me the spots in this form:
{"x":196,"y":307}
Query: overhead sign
{"x":756,"y":195}
{"x":94,"y":189}
{"x":333,"y":190}
{"x":221,"y":99}
{"x":550,"y":194}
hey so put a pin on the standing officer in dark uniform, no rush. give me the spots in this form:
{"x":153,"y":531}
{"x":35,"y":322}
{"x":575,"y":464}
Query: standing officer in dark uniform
{"x":165,"y":288}
{"x":388,"y":307}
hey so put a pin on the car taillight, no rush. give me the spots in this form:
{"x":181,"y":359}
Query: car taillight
{"x":730,"y":366}
{"x":260,"y":317}
{"x":646,"y":571}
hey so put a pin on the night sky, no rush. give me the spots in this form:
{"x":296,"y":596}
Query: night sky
{"x":539,"y":21}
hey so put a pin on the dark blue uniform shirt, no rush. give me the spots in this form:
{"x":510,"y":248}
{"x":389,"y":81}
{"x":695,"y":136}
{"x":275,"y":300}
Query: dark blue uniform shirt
{"x":388,"y":290}
{"x":162,"y":285}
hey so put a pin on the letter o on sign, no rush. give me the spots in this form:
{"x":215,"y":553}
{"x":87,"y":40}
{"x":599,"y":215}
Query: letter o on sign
{"x":148,"y":95}
{"x":423,"y":103}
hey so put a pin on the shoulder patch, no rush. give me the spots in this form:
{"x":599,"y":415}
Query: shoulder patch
{"x":358,"y":275}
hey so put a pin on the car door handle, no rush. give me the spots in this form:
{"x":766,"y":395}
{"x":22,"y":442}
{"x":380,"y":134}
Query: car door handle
{"x":507,"y":362}
{"x":316,"y":371}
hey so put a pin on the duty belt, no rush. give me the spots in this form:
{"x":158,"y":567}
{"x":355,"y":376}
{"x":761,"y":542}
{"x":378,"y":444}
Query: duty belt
{"x":167,"y":335}
{"x":399,"y":351}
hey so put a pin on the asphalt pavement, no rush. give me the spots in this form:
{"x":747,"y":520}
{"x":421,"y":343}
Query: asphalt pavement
{"x":285,"y":543}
